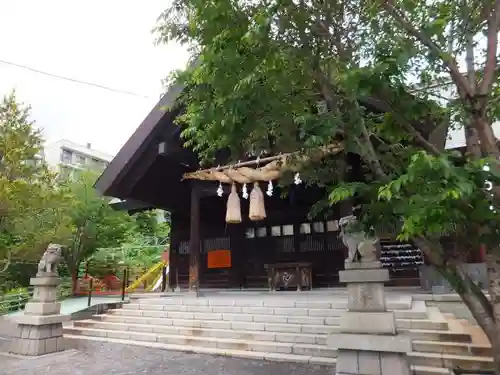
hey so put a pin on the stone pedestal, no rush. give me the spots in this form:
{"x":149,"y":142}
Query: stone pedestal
{"x":40,"y":328}
{"x":368,"y":343}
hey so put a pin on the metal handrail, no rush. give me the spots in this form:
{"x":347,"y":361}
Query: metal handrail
{"x":14,"y":302}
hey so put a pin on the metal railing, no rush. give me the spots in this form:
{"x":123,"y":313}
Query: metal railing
{"x":13,"y":302}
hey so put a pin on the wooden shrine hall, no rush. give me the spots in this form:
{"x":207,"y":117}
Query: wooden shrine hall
{"x":284,"y":250}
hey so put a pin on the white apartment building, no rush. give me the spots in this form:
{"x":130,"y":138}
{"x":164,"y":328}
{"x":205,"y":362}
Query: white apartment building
{"x":67,"y":157}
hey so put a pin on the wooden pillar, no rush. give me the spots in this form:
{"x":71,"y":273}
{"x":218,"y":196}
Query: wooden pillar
{"x":237,"y":235}
{"x":194,"y":241}
{"x":173,"y":255}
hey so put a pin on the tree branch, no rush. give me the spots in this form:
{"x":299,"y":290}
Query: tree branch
{"x":400,"y":118}
{"x":491,"y":54}
{"x":450,"y":62}
{"x":7,"y":261}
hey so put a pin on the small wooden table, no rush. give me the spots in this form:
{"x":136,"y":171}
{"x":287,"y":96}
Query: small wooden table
{"x":286,"y":275}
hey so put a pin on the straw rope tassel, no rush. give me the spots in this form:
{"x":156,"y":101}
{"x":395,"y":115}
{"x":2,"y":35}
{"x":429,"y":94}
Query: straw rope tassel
{"x":257,"y":206}
{"x":233,"y":209}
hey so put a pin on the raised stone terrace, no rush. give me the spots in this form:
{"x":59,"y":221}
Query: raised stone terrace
{"x":280,"y":327}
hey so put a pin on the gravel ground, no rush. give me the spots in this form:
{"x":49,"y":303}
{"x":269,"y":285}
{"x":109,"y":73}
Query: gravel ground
{"x":94,"y":358}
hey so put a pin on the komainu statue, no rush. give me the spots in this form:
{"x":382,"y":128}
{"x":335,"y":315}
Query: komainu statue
{"x":360,"y":247}
{"x":50,"y":259}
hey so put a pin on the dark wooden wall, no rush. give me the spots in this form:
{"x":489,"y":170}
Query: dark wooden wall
{"x":286,"y":235}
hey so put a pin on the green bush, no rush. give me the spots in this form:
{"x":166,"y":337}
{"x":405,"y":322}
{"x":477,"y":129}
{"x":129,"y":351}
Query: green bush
{"x":14,"y":300}
{"x":64,"y":288}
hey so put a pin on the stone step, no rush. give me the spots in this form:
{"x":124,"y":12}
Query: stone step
{"x":267,"y":315}
{"x":117,"y":316}
{"x":291,"y":311}
{"x":452,"y":348}
{"x":276,"y":357}
{"x":223,"y":324}
{"x":318,"y":339}
{"x":401,"y":303}
{"x":433,"y":335}
{"x":451,"y":361}
{"x":299,"y":338}
{"x":254,"y":355}
{"x":418,"y":311}
{"x":426,"y":370}
{"x":211,"y":342}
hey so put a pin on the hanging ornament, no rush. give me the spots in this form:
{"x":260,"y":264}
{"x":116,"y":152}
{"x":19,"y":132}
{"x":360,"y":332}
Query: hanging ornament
{"x":296,"y":179}
{"x":269,"y":191}
{"x":233,"y":209}
{"x":244,"y":192}
{"x":257,"y":209}
{"x":220,"y":191}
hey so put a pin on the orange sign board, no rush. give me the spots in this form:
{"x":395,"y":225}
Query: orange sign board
{"x":165,"y":256}
{"x":219,"y":259}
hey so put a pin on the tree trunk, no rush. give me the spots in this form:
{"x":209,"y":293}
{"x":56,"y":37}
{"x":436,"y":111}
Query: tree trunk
{"x":74,"y":281}
{"x":493,"y":267}
{"x":474,"y":298}
{"x":487,"y":137}
{"x":482,"y":310}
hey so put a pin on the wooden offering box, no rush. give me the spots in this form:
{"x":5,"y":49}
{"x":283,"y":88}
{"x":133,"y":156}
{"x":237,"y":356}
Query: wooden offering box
{"x":289,"y":276}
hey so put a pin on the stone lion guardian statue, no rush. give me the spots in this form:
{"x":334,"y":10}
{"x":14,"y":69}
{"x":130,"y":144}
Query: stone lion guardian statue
{"x":360,"y":247}
{"x":50,"y":259}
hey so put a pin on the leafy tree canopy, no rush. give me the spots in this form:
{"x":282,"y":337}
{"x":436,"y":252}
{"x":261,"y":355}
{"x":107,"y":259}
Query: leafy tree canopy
{"x":30,"y":216}
{"x":93,"y":223}
{"x":284,"y":75}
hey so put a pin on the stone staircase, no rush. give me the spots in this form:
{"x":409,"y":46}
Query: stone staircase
{"x":278,"y":327}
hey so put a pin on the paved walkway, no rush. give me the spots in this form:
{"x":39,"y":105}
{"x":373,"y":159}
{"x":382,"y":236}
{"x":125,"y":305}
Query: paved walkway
{"x":91,"y":358}
{"x":74,"y":304}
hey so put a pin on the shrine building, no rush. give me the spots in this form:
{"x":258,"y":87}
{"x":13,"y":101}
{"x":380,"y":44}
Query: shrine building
{"x":284,"y":250}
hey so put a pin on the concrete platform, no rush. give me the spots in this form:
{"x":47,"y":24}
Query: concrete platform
{"x":278,"y":326}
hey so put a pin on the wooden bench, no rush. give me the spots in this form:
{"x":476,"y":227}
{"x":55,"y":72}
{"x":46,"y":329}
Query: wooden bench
{"x":289,"y":275}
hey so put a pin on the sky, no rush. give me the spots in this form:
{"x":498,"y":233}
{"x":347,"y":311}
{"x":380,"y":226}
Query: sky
{"x":106,"y":42}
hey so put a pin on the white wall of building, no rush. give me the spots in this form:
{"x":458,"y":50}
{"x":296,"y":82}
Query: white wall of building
{"x":65,"y":157}
{"x":456,"y":135}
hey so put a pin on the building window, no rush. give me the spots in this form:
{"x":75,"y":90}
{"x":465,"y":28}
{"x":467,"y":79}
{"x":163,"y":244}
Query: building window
{"x":288,"y":230}
{"x":332,"y":226}
{"x":262,"y":232}
{"x":305,"y":228}
{"x":318,"y":227}
{"x":250,"y":233}
{"x":80,"y":160}
{"x":66,"y":156}
{"x":276,"y":231}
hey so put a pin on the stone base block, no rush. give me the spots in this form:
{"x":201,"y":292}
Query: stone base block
{"x":366,"y":297}
{"x":36,"y":320}
{"x":362,"y":265}
{"x":45,"y":293}
{"x":369,"y":343}
{"x":351,"y":362}
{"x":44,"y":275}
{"x":194,"y":293}
{"x":34,"y":347}
{"x":34,"y":340}
{"x":367,"y":275}
{"x":42,"y":308}
{"x":377,"y":323}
